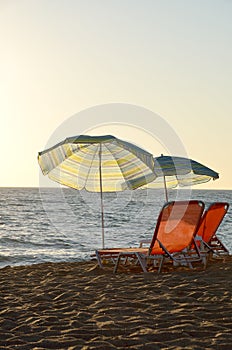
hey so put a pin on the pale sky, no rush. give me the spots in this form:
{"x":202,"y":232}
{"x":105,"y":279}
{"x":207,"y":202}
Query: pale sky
{"x":61,"y":57}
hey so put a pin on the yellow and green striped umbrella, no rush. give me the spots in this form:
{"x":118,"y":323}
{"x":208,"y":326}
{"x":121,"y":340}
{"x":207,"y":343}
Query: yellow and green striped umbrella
{"x":97,"y":164}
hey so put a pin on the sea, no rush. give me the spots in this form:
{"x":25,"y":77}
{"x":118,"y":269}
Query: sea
{"x":60,"y":224}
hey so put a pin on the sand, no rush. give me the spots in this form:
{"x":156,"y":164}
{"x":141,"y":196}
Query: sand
{"x":80,"y":306}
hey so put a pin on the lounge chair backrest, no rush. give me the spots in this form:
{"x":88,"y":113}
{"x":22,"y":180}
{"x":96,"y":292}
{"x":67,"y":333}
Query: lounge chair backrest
{"x":177,"y":224}
{"x":211,"y":220}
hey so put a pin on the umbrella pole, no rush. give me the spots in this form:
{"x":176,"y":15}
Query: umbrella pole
{"x":165,"y":189}
{"x":102,"y":208}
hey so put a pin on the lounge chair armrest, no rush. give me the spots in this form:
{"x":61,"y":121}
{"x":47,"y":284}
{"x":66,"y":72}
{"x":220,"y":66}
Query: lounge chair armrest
{"x":198,"y":238}
{"x":144,"y":241}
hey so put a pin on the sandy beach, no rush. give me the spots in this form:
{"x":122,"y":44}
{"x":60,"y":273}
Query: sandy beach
{"x":80,"y":306}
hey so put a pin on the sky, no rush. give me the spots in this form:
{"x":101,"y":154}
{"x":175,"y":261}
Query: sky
{"x":60,"y":58}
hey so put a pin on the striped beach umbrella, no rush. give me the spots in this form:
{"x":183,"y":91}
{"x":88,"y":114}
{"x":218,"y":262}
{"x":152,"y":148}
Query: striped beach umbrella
{"x":97,"y":164}
{"x":179,"y":171}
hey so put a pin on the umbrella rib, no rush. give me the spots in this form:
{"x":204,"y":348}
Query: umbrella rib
{"x":97,"y":150}
{"x":117,"y":163}
{"x":115,"y":160}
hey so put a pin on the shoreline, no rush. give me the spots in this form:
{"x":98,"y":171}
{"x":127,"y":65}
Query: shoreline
{"x":79,"y":306}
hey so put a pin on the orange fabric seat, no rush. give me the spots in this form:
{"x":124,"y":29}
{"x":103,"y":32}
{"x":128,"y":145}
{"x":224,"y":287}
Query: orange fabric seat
{"x":211,"y":220}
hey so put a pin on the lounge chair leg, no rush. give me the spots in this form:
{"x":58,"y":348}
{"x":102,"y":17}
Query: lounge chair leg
{"x":125,"y":261}
{"x":187,"y":262}
{"x":99,"y":259}
{"x":161,"y":264}
{"x":205,"y":259}
{"x":138,"y":256}
{"x":142,"y":262}
{"x":117,"y":263}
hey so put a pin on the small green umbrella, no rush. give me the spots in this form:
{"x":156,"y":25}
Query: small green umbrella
{"x":97,"y":164}
{"x":179,"y":171}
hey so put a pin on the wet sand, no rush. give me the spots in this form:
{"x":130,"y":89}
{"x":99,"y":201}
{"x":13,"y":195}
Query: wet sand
{"x":79,"y":306}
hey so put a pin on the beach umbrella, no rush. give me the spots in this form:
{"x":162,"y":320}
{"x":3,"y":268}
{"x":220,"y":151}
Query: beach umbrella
{"x":97,"y":164}
{"x":179,"y":171}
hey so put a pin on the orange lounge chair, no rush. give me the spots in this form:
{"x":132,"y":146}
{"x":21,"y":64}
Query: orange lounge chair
{"x":176,"y":227}
{"x":206,"y":235}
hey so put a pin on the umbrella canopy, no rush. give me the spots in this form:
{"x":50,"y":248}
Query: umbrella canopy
{"x":179,"y":171}
{"x":97,"y":164}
